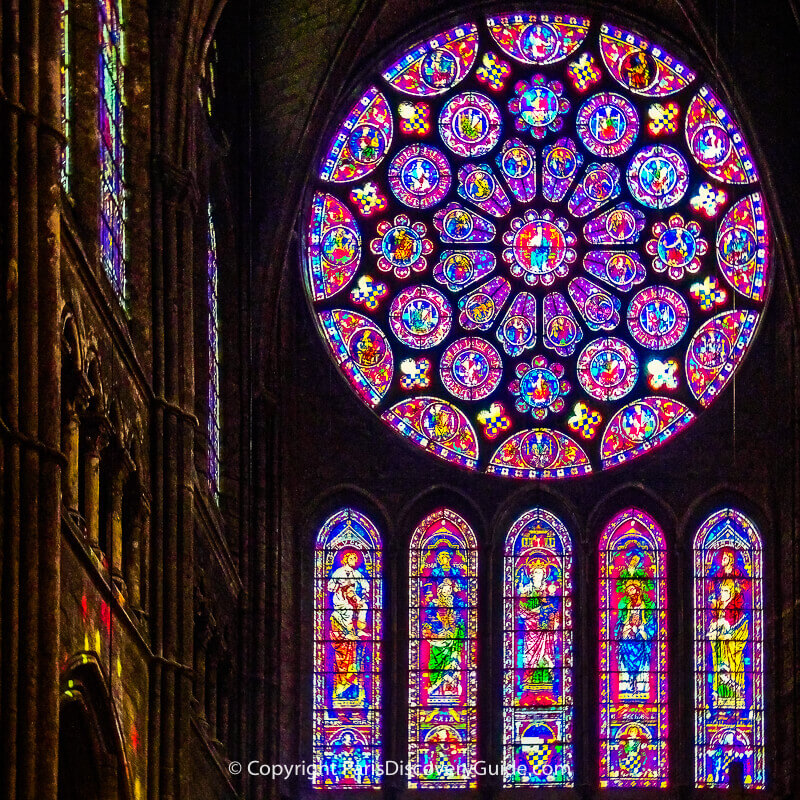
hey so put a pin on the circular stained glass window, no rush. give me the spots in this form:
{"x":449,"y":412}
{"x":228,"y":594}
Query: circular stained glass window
{"x":537,"y":245}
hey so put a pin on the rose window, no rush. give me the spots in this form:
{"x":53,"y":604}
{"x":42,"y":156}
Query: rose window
{"x":537,"y":245}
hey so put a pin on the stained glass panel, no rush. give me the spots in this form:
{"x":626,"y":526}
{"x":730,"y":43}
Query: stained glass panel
{"x":443,"y":623}
{"x":213,"y":422}
{"x":564,"y":218}
{"x":348,"y":617}
{"x":537,"y":652}
{"x":633,"y":653}
{"x":728,"y":651}
{"x":110,"y":73}
{"x":66,"y":93}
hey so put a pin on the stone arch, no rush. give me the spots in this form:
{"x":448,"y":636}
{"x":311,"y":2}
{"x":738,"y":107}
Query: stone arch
{"x":91,"y":752}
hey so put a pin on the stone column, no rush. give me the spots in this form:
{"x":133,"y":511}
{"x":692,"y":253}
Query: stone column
{"x":30,"y":397}
{"x":115,"y":543}
{"x":140,"y":531}
{"x":70,"y":442}
{"x":95,"y":432}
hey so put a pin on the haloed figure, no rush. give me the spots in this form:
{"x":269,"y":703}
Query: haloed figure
{"x":635,"y":632}
{"x":349,"y":590}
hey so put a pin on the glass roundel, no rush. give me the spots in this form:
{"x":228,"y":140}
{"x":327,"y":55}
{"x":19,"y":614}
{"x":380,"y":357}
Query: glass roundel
{"x":537,"y":245}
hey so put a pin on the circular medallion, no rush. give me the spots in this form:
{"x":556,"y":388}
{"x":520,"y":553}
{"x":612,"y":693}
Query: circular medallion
{"x":471,"y":368}
{"x":439,"y":422}
{"x":458,"y":269}
{"x":621,"y":269}
{"x":439,"y":69}
{"x":737,"y":247}
{"x":607,"y":124}
{"x":561,"y":162}
{"x":711,"y":349}
{"x":517,"y":331}
{"x":607,"y":369}
{"x":676,"y":247}
{"x":470,"y":124}
{"x":479,"y":185}
{"x":517,"y":163}
{"x":367,"y":347}
{"x":538,"y":106}
{"x":368,"y":144}
{"x":639,"y":422}
{"x":420,"y":317}
{"x":711,"y":145}
{"x":658,"y":176}
{"x":639,"y":70}
{"x":621,"y":224}
{"x":563,"y":332}
{"x":401,"y":246}
{"x":658,"y":317}
{"x":539,"y":388}
{"x":458,"y":224}
{"x":340,"y":247}
{"x":539,"y":449}
{"x":419,"y":176}
{"x":539,"y":42}
{"x":539,"y":247}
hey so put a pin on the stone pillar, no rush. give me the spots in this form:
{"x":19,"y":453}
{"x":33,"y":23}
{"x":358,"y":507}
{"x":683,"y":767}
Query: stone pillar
{"x":140,"y":531}
{"x":212,"y":674}
{"x":30,"y":397}
{"x":95,"y":432}
{"x":70,"y":442}
{"x":115,"y":533}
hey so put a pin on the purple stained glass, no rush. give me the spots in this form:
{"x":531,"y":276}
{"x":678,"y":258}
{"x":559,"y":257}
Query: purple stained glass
{"x":110,"y":74}
{"x":348,"y":617}
{"x":443,"y":631}
{"x":728,"y":657}
{"x":634,"y":722}
{"x":537,"y":652}
{"x":544,"y":187}
{"x":213,"y":421}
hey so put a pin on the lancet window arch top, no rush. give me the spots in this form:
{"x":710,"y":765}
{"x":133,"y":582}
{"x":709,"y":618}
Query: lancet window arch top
{"x":348,"y":635}
{"x":634,"y":724}
{"x":729,"y":636}
{"x":443,"y":630}
{"x":537,"y":652}
{"x":536,"y":245}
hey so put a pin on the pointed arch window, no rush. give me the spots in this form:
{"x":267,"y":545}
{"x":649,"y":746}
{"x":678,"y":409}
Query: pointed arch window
{"x":213,"y":421}
{"x":443,"y":627}
{"x":348,"y":616}
{"x":633,"y":653}
{"x":110,"y":74}
{"x":729,"y":676}
{"x":537,"y":652}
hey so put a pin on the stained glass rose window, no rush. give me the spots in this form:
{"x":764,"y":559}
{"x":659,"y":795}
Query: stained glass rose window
{"x":536,"y":245}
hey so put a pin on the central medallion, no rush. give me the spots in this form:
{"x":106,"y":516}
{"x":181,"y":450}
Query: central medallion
{"x":540,"y":247}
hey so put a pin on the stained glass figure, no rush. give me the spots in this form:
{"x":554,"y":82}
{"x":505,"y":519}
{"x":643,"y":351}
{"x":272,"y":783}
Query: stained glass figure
{"x":348,"y":618}
{"x":728,"y":654}
{"x":537,"y":187}
{"x":443,"y":623}
{"x":66,"y":93}
{"x":634,"y":723}
{"x":110,"y":73}
{"x":537,"y":652}
{"x":214,"y":413}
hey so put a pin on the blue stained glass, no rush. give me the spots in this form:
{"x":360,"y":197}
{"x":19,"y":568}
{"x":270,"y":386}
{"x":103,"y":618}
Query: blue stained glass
{"x":110,"y":70}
